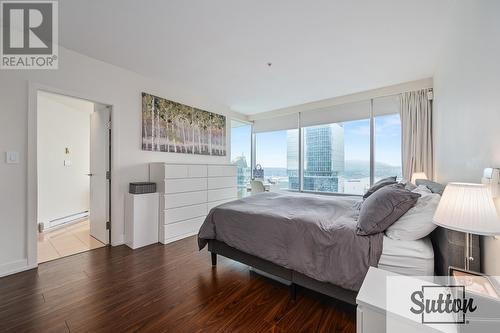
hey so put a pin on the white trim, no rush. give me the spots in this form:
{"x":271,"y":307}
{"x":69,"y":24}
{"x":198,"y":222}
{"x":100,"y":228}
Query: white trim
{"x":246,"y":122}
{"x":351,"y":98}
{"x":32,"y":185}
{"x":280,"y":123}
{"x":336,"y":114}
{"x":118,"y":240}
{"x":15,"y":267}
{"x":179,"y":237}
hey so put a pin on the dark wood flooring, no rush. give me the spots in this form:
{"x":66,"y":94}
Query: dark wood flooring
{"x":159,"y":288}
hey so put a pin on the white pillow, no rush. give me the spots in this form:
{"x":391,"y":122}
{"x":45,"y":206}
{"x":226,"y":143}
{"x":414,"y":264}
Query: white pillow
{"x":417,"y":222}
{"x":422,"y":190}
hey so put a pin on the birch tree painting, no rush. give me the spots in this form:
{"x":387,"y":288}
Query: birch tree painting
{"x":173,"y":127}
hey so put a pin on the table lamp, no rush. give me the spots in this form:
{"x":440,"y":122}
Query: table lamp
{"x":468,"y":208}
{"x":417,"y":175}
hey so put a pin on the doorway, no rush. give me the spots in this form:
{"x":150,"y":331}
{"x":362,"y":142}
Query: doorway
{"x":73,"y":175}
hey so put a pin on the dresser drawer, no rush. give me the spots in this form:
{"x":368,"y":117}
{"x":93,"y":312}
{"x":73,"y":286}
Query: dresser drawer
{"x":184,"y":213}
{"x":175,"y":171}
{"x":184,"y":199}
{"x":222,"y":194}
{"x":222,"y":171}
{"x":185,"y":185}
{"x":221,"y":182}
{"x":175,"y":231}
{"x":213,"y":204}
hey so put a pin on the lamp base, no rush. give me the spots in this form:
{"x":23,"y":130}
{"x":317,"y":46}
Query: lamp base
{"x":468,"y":251}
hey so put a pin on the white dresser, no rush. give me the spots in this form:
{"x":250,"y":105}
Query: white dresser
{"x":187,"y":193}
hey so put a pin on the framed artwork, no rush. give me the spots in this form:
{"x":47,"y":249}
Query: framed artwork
{"x":173,"y":127}
{"x":474,"y":282}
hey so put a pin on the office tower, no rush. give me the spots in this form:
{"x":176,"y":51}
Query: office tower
{"x":323,"y":158}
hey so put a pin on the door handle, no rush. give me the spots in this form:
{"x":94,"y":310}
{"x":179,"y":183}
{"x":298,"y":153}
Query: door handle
{"x":90,"y":174}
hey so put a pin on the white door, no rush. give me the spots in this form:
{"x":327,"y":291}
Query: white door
{"x":99,"y":166}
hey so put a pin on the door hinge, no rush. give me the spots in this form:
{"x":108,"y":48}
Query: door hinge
{"x":108,"y":175}
{"x":108,"y":225}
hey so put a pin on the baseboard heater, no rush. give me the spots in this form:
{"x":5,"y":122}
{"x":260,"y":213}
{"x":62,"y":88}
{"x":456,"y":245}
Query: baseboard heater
{"x":44,"y":226}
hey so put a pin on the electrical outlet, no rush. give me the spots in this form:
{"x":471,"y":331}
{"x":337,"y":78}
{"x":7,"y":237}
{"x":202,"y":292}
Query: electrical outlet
{"x":12,"y":157}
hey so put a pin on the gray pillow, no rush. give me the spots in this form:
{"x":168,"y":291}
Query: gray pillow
{"x":433,"y":186}
{"x":384,"y":207}
{"x":409,"y":186}
{"x":378,"y":185}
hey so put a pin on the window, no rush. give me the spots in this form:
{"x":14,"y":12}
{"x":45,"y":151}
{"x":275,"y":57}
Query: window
{"x":337,"y":157}
{"x":388,"y":146}
{"x":336,"y":147}
{"x":387,"y":137}
{"x":241,"y":145}
{"x":277,"y":153}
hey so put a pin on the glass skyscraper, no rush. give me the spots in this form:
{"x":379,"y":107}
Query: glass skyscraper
{"x":243,"y":176}
{"x":323,"y":158}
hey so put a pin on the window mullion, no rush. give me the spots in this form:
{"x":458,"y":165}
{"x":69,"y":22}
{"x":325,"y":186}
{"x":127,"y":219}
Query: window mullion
{"x":301,"y":156}
{"x":372,"y":144}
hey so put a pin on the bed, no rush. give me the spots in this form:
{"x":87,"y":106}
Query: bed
{"x":310,"y":241}
{"x":414,"y":257}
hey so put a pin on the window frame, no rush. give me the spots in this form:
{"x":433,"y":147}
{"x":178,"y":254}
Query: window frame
{"x":254,"y":156}
{"x":252,"y":148}
{"x":300,"y":128}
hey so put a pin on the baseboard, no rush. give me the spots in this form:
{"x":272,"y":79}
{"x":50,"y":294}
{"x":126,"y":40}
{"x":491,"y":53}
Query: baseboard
{"x":118,"y":240}
{"x":15,"y":267}
{"x":176,"y":238}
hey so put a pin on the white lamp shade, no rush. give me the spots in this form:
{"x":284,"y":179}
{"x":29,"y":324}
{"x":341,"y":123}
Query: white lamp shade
{"x":468,"y":208}
{"x":418,"y":175}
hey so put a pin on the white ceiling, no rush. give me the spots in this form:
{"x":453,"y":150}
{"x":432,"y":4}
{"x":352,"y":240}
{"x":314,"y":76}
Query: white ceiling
{"x":220,"y":48}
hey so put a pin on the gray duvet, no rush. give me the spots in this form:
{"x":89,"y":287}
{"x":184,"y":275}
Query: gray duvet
{"x":311,"y":234}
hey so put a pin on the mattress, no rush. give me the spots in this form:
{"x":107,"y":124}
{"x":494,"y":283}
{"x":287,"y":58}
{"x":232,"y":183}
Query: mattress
{"x":415,"y":258}
{"x":310,"y":235}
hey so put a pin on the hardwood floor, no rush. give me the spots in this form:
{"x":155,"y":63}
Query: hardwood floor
{"x":159,"y":288}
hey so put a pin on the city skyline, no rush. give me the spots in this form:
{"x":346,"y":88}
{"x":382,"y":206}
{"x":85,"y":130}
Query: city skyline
{"x":336,"y":157}
{"x":271,"y":149}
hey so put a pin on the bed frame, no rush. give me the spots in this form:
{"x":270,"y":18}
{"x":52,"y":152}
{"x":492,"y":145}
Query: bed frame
{"x":448,"y":251}
{"x":297,"y":279}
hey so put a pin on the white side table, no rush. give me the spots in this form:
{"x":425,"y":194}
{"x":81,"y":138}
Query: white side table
{"x":141,"y":219}
{"x":371,"y":300}
{"x":371,"y":312}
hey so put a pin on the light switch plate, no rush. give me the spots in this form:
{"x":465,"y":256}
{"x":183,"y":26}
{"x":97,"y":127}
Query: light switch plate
{"x":12,"y":157}
{"x":67,"y":163}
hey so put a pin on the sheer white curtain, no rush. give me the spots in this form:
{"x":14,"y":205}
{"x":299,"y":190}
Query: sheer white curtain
{"x":416,"y":133}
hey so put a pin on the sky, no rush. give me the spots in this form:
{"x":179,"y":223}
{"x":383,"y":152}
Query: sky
{"x":271,"y":146}
{"x":241,"y":141}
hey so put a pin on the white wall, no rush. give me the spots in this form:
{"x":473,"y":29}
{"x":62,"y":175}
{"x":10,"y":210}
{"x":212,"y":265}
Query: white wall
{"x":467,"y":102}
{"x":84,"y":77}
{"x":63,"y":190}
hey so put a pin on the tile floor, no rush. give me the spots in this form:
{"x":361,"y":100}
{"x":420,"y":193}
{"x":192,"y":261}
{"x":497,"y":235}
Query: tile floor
{"x":66,"y":241}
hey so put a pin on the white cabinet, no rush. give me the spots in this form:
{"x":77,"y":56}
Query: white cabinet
{"x":372,"y":309}
{"x":370,"y":312}
{"x":141,"y":216}
{"x":187,"y":193}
